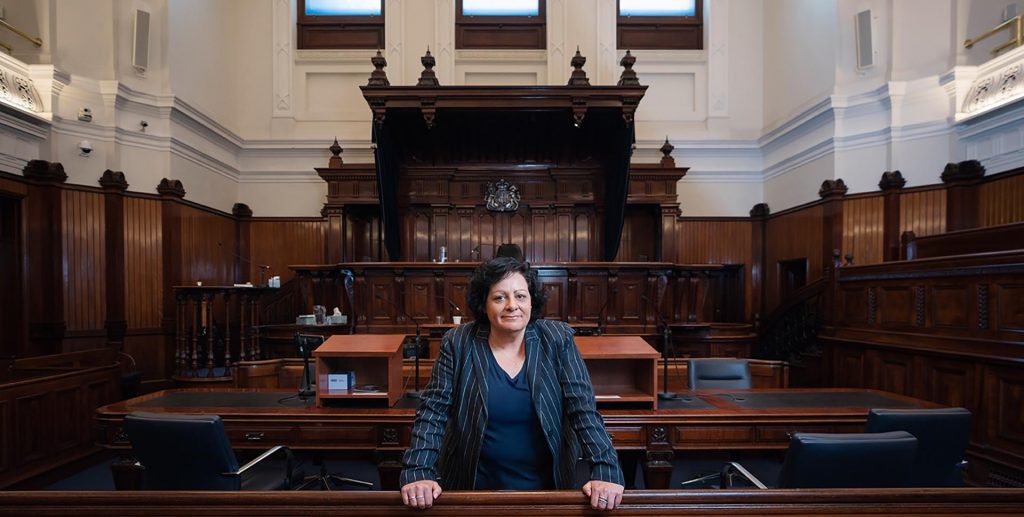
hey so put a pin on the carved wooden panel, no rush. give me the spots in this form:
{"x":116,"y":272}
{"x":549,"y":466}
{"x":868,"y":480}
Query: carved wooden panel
{"x":584,"y":225}
{"x":281,"y":243}
{"x":853,"y":303}
{"x":590,"y":294}
{"x":33,"y":441}
{"x":896,"y":306}
{"x":7,"y":433}
{"x":85,"y":291}
{"x":629,"y":304}
{"x":556,"y":287}
{"x":1004,"y":398}
{"x":67,"y":421}
{"x":382,"y":299}
{"x":923,"y":212}
{"x":863,"y":226}
{"x":143,"y":262}
{"x":893,"y":371}
{"x":848,"y":367}
{"x":420,"y":298}
{"x":999,"y":201}
{"x":1010,"y":315}
{"x":949,"y":382}
{"x":950,"y":306}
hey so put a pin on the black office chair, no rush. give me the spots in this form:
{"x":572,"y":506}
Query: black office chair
{"x":720,"y":374}
{"x":855,"y":460}
{"x":942,"y":435}
{"x":192,"y":452}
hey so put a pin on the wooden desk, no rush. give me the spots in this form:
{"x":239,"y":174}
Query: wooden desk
{"x":622,"y":370}
{"x":712,"y":420}
{"x":375,"y":359}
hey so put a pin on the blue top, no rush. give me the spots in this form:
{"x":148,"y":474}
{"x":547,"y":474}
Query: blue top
{"x":514,"y":454}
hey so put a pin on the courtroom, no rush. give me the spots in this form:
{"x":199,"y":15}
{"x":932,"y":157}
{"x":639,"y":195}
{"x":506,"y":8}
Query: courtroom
{"x":511,"y":257}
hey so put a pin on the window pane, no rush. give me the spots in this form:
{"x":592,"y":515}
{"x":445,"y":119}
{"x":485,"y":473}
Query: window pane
{"x":657,"y":8}
{"x":500,"y":8}
{"x":343,"y":7}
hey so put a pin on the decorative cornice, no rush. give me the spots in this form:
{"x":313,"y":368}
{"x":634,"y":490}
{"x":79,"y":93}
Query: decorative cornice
{"x":830,"y":188}
{"x":113,"y":180}
{"x":169,"y":187}
{"x":43,"y":170}
{"x":964,"y":171}
{"x":241,"y":210}
{"x":891,"y":180}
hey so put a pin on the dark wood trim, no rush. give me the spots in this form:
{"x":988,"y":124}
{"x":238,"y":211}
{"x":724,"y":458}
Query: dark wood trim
{"x":501,"y":32}
{"x":339,"y":32}
{"x":661,"y":32}
{"x":114,"y":187}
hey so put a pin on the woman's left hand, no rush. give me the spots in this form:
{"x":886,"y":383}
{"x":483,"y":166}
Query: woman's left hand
{"x":603,"y":495}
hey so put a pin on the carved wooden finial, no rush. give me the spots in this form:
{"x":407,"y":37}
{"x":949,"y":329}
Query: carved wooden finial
{"x":628,"y":77}
{"x":378,"y":77}
{"x":45,"y":171}
{"x":760,"y":211}
{"x":891,"y":180}
{"x":173,"y":188}
{"x":113,"y":180}
{"x":427,"y":76}
{"x":666,"y":150}
{"x":963,"y":171}
{"x":336,"y":150}
{"x":836,"y":187}
{"x":578,"y":77}
{"x":241,"y":210}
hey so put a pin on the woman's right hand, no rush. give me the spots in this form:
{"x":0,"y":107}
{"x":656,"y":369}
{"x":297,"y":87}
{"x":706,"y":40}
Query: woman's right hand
{"x":421,"y":494}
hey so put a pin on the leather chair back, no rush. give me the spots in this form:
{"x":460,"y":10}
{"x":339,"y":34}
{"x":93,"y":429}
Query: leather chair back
{"x":182,"y":452}
{"x":856,"y":460}
{"x":942,"y":435}
{"x":721,"y":374}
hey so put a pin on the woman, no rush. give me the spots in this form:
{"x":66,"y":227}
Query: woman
{"x":509,"y":403}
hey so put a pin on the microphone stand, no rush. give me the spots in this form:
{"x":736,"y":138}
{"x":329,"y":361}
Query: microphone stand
{"x":666,"y":346}
{"x":306,"y":389}
{"x":415,"y":393}
{"x":263,"y":268}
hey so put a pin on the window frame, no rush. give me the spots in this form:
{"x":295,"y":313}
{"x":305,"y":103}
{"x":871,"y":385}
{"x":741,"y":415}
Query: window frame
{"x":660,"y":32}
{"x":317,"y":32}
{"x":501,"y":32}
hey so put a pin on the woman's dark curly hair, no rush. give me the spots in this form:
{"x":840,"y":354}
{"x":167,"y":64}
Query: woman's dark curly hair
{"x":494,"y":271}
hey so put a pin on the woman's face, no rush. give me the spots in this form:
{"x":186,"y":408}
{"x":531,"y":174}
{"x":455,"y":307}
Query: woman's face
{"x":508,"y":304}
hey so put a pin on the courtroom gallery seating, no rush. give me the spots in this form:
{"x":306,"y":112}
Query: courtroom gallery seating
{"x":942,"y":435}
{"x":192,"y":452}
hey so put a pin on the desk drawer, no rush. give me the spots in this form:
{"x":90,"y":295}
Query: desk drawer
{"x":708,"y":434}
{"x":241,"y":436}
{"x":627,"y":436}
{"x":347,"y":436}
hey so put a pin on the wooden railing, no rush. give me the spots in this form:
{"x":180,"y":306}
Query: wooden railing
{"x":790,"y":331}
{"x":736,"y":503}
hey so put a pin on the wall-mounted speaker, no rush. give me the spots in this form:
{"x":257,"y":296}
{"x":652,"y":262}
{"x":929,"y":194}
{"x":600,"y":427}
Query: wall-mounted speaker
{"x":865,"y":50}
{"x":140,"y":46}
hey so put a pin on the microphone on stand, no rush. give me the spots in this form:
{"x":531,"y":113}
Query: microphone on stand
{"x":263,"y":268}
{"x":415,"y":393}
{"x":602,"y":316}
{"x":666,"y":345}
{"x":454,"y":307}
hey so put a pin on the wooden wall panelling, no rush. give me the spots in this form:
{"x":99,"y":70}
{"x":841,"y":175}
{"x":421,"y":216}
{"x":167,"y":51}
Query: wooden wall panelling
{"x":626,"y":305}
{"x":590,"y":292}
{"x":849,"y":366}
{"x":84,"y":256}
{"x":280,"y":243}
{"x":923,"y":211}
{"x":12,"y":316}
{"x":1000,"y":201}
{"x":143,"y":286}
{"x":792,"y":235}
{"x":1001,"y":410}
{"x":863,"y":228}
{"x":208,"y":244}
{"x":556,"y":284}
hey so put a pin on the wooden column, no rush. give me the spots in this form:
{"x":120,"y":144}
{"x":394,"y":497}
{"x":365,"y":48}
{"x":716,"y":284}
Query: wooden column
{"x":114,"y":186}
{"x":962,"y":194}
{"x":244,"y":268}
{"x":759,"y":220}
{"x":832,"y":192}
{"x":44,"y":268}
{"x":171,"y":193}
{"x":891,"y":184}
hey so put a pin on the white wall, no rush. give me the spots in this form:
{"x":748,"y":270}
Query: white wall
{"x":771,"y":107}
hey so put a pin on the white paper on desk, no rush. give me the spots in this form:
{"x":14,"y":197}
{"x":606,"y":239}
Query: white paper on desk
{"x":607,"y":396}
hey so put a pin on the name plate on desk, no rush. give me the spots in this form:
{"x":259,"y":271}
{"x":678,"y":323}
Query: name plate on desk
{"x":343,"y":381}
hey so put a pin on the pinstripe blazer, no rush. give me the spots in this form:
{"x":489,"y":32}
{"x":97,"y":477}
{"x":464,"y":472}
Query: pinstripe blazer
{"x":449,"y":429}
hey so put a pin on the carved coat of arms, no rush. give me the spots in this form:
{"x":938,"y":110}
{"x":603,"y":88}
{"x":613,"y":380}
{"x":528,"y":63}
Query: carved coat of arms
{"x":502,"y":197}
